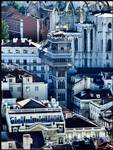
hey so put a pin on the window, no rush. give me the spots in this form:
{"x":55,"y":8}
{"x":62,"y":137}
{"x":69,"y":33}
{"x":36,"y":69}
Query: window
{"x":25,"y":67}
{"x":36,"y":88}
{"x":27,"y":79}
{"x":107,"y":57}
{"x":85,"y":61}
{"x":3,"y":61}
{"x":76,"y":44}
{"x":68,"y":46}
{"x":54,"y":46}
{"x":34,"y":62}
{"x":50,"y":77}
{"x":109,"y":45}
{"x":10,"y":61}
{"x":109,"y":25}
{"x":101,"y":44}
{"x":10,"y":80}
{"x":61,"y":96}
{"x":60,"y":140}
{"x":42,"y":68}
{"x":25,"y":62}
{"x":17,"y":61}
{"x":85,"y":39}
{"x":11,"y":89}
{"x":18,"y":89}
{"x":62,"y":48}
{"x":17,"y":51}
{"x":34,"y":68}
{"x":25,"y":51}
{"x":61,"y":73}
{"x":42,"y":76}
{"x":61,"y":84}
{"x":91,"y":36}
{"x":27,"y":89}
{"x":108,"y":65}
{"x":9,"y":51}
{"x":10,"y":145}
{"x":36,"y":98}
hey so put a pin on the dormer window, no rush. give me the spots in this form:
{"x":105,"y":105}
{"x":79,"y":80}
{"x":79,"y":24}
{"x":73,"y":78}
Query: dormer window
{"x":27,"y":79}
{"x":10,"y":80}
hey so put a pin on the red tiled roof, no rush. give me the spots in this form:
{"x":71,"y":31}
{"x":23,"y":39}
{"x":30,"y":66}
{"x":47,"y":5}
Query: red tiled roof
{"x":29,"y":23}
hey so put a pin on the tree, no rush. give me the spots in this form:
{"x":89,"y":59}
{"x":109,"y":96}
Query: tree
{"x":22,"y":9}
{"x":13,"y":4}
{"x":4,"y":29}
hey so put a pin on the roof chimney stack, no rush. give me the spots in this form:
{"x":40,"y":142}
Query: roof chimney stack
{"x":27,"y":141}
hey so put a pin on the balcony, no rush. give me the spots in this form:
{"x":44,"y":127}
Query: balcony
{"x":60,"y":64}
{"x":59,"y":39}
{"x":59,"y":54}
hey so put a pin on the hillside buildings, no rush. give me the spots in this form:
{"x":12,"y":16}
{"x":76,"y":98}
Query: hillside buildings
{"x":23,"y":84}
{"x":25,"y":55}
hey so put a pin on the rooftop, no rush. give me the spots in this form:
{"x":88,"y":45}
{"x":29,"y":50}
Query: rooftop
{"x":19,"y":73}
{"x":78,"y":121}
{"x":109,"y":15}
{"x":6,"y":94}
{"x":30,"y":103}
{"x":37,"y":137}
{"x":93,"y":94}
{"x":18,"y":43}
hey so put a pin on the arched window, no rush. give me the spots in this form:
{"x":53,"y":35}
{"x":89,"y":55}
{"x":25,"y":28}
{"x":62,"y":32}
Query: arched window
{"x":109,"y":25}
{"x":85,"y":39}
{"x":109,"y":45}
{"x":107,"y":57}
{"x":76,"y":44}
{"x":91,"y":36}
{"x":61,"y":96}
{"x":61,"y":84}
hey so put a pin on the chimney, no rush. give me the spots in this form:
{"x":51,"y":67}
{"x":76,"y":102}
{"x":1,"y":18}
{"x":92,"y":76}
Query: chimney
{"x":15,"y":40}
{"x":88,"y":82}
{"x":2,"y":42}
{"x":30,"y":40}
{"x":27,"y":141}
{"x":81,"y":16}
{"x":21,"y":28}
{"x":23,"y":40}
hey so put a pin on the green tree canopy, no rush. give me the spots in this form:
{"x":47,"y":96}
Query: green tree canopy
{"x":13,"y":4}
{"x":4,"y":29}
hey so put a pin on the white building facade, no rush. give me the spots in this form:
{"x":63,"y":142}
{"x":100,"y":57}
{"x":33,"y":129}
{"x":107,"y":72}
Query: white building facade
{"x":92,"y":43}
{"x":25,"y":85}
{"x":23,"y":54}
